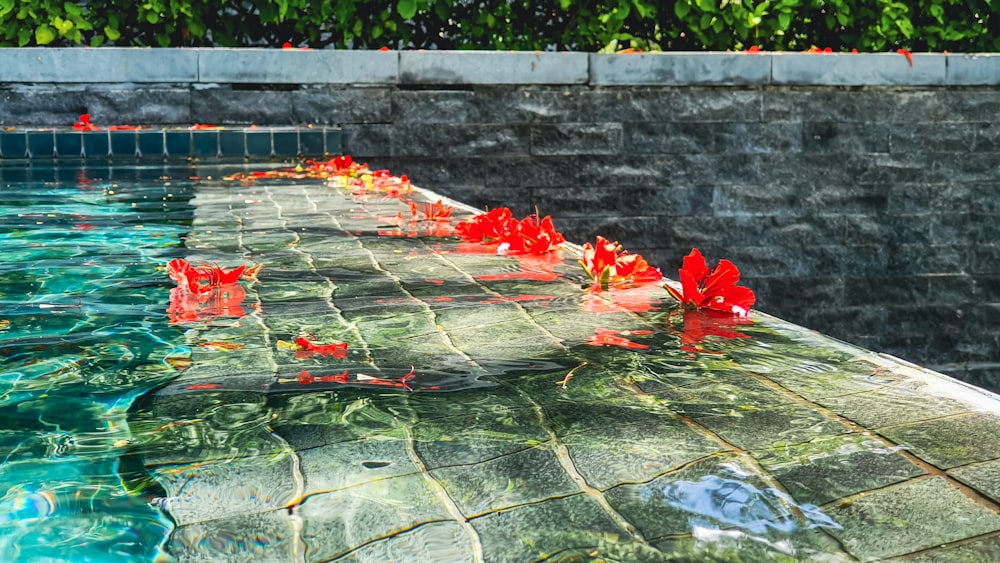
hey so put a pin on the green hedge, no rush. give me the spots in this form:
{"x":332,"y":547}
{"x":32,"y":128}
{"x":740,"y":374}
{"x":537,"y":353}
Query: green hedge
{"x":581,"y":25}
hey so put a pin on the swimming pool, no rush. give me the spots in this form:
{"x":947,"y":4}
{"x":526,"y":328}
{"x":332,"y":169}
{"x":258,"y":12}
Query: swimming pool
{"x":486,"y":407}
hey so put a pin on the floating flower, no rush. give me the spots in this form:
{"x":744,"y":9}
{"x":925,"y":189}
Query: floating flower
{"x":701,"y":323}
{"x":306,"y":348}
{"x":608,"y":337}
{"x":714,"y":288}
{"x":431,"y":211}
{"x":607,"y":264}
{"x":200,"y":279}
{"x":531,"y":235}
{"x":84,"y":124}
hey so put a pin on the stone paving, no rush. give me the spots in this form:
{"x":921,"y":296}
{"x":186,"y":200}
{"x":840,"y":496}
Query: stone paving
{"x":515,"y":440}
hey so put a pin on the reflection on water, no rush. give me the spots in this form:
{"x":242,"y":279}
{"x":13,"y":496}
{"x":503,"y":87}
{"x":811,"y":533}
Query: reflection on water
{"x":465,"y":406}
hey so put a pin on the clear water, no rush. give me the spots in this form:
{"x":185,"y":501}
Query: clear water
{"x":541,"y":420}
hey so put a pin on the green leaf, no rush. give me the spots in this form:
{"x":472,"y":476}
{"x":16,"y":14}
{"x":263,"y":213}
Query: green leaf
{"x":154,"y":18}
{"x":112,"y":33}
{"x":44,"y":35}
{"x":23,"y":36}
{"x":407,"y":9}
{"x":682,"y":9}
{"x":73,"y":9}
{"x":784,"y":20}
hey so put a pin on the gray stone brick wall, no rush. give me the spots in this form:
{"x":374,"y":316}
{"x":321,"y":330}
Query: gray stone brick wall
{"x":859,"y":196}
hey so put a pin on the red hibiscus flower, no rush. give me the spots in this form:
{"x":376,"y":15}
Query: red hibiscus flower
{"x":336,"y":350}
{"x":608,"y":337}
{"x":599,"y":260}
{"x":84,"y":124}
{"x":531,"y":235}
{"x":606,"y":263}
{"x":431,"y":211}
{"x":714,"y":288}
{"x":699,"y":324}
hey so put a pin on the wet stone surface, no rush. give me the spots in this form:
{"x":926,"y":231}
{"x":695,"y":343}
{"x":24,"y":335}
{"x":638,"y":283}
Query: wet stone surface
{"x":474,"y":418}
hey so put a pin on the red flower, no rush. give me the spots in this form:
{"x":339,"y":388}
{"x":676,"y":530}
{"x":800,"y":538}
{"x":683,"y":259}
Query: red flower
{"x":632,"y":268}
{"x":712,"y":289}
{"x":607,"y":337}
{"x":599,"y":260}
{"x":488,"y":227}
{"x":530,"y":235}
{"x":431,"y":211}
{"x":202,"y":278}
{"x":84,"y":124}
{"x":606,"y":263}
{"x":699,"y":324}
{"x":337,"y":350}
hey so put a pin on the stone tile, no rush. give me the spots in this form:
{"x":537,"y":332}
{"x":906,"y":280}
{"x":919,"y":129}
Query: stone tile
{"x":755,"y":429}
{"x":679,"y":69}
{"x":540,"y":531}
{"x":466,"y":439}
{"x":338,"y":522}
{"x":482,"y":67}
{"x":204,"y":492}
{"x":840,"y":69}
{"x":952,"y":441}
{"x":826,"y":469}
{"x":975,"y":551}
{"x":434,"y":541}
{"x":501,"y":483}
{"x":717,"y":493}
{"x":287,"y":66}
{"x":910,"y":401}
{"x":909,"y":517}
{"x":984,"y":477}
{"x":260,"y":536}
{"x":979,"y":69}
{"x":349,"y":464}
{"x":107,"y":65}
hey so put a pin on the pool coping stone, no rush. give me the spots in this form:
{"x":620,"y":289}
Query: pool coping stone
{"x":131,"y":66}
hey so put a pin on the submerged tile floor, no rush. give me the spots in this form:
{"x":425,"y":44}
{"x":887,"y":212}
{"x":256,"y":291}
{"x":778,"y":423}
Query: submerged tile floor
{"x":765,"y":441}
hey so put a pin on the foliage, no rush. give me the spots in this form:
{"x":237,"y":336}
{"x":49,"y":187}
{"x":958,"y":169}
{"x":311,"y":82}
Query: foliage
{"x":583,"y":25}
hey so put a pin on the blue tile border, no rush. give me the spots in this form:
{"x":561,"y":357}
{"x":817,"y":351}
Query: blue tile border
{"x":227,"y":143}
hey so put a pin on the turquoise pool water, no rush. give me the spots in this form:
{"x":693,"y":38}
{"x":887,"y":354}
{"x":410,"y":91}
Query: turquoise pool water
{"x":486,"y":408}
{"x":83,"y":333}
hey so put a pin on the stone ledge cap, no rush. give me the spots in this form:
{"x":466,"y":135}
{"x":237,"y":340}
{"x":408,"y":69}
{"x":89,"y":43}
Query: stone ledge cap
{"x":679,"y":68}
{"x":101,"y":65}
{"x":297,"y":66}
{"x":489,"y":67}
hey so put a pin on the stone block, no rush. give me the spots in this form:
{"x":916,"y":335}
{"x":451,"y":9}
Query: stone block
{"x":576,"y":138}
{"x":885,"y":290}
{"x":670,"y":104}
{"x":933,"y":137}
{"x":737,"y":200}
{"x":979,"y":69}
{"x":964,"y":228}
{"x":434,"y":140}
{"x":288,"y":66}
{"x":679,"y":69}
{"x":874,"y":69}
{"x":712,"y":137}
{"x":907,"y":259}
{"x":490,"y":67}
{"x":369,"y":141}
{"x":874,"y":105}
{"x":41,"y":65}
{"x":831,"y":136}
{"x":223,"y":105}
{"x":885,"y":229}
{"x":332,"y":105}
